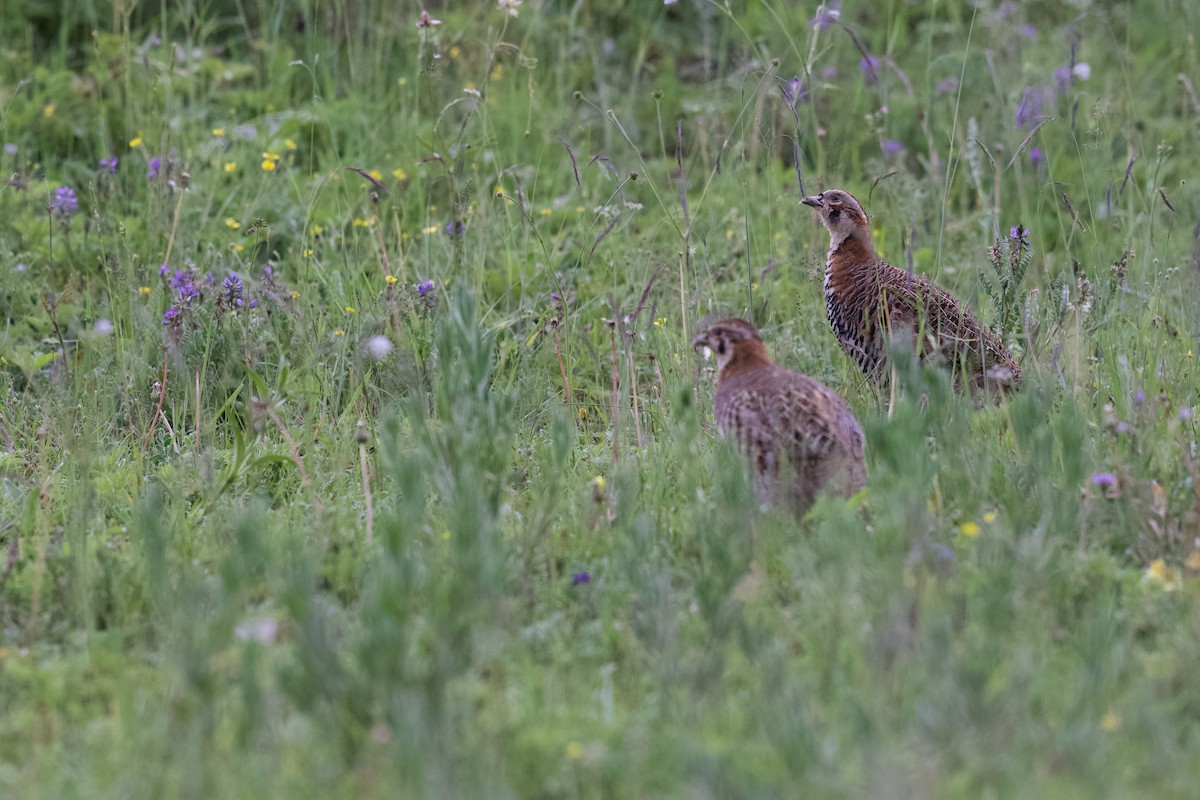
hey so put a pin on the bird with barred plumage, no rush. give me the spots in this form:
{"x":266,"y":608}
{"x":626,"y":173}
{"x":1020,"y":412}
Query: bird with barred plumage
{"x":871,"y":305}
{"x":798,"y":435}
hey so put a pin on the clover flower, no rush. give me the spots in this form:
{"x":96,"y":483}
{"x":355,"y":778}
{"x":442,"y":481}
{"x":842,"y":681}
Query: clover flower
{"x":154,"y":168}
{"x":65,"y":204}
{"x":110,"y":164}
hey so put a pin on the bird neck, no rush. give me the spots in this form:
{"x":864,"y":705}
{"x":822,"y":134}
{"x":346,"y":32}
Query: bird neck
{"x":851,"y":250}
{"x":749,"y":354}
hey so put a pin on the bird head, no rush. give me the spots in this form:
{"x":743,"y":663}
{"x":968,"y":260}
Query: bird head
{"x":729,"y":340}
{"x":841,"y":213}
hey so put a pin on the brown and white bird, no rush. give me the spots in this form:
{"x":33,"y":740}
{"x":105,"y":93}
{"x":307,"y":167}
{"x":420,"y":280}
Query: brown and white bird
{"x":798,"y":435}
{"x":870,"y":304}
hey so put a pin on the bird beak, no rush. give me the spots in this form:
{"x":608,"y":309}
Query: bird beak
{"x":813,"y":200}
{"x":701,"y":340}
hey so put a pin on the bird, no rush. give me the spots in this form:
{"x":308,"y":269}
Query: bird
{"x":871,"y":304}
{"x":797,"y":434}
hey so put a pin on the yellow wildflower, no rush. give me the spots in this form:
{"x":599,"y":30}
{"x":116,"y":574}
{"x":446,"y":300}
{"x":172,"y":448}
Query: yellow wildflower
{"x":288,"y":144}
{"x":969,"y":529}
{"x":339,"y":332}
{"x":574,"y":750}
{"x":391,"y":279}
{"x":144,"y":291}
{"x":376,"y":174}
{"x":545,"y":212}
{"x":307,"y":252}
{"x":497,"y":72}
{"x":232,"y":223}
{"x":48,"y":110}
{"x":431,"y":229}
{"x":218,"y":131}
{"x":455,"y":51}
{"x":230,"y":166}
{"x":580,"y":209}
{"x":135,"y":142}
{"x":350,"y":309}
{"x":239,"y":247}
{"x":989,"y":517}
{"x":316,"y":230}
{"x":1157,"y":570}
{"x":295,"y":295}
{"x":1110,"y":722}
{"x":399,"y":174}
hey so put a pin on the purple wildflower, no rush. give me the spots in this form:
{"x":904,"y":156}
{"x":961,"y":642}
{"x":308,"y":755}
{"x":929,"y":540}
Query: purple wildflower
{"x":178,"y":279}
{"x":10,"y":149}
{"x":268,"y":272}
{"x":1037,"y":157}
{"x":580,"y":577}
{"x":163,"y":269}
{"x":1104,"y":479}
{"x":1139,"y":397}
{"x":232,"y":284}
{"x":944,"y":554}
{"x":1030,"y":107}
{"x":454,"y":228}
{"x":154,"y":168}
{"x":110,"y":164}
{"x":555,"y":296}
{"x":1185,"y":414}
{"x":827,"y":14}
{"x":170,"y":315}
{"x":188,"y":291}
{"x":1029,"y":31}
{"x":425,"y":288}
{"x":427,"y":21}
{"x":1018,"y":236}
{"x":892,"y":147}
{"x":794,"y":92}
{"x":65,"y":204}
{"x":829,"y":73}
{"x":869,"y":67}
{"x":1062,"y":79}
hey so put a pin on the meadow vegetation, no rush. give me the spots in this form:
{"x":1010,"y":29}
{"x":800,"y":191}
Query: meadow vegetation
{"x":352,"y":444}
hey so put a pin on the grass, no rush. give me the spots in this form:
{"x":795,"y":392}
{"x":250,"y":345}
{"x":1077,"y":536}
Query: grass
{"x":427,"y":501}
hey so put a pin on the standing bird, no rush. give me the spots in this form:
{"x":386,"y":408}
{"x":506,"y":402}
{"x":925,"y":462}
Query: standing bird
{"x":871,"y":303}
{"x":776,"y":416}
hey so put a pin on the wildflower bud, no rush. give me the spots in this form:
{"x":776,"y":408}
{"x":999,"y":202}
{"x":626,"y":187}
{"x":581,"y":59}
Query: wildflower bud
{"x":633,"y":176}
{"x":657,"y":94}
{"x":185,"y":180}
{"x":774,"y":62}
{"x":360,"y":433}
